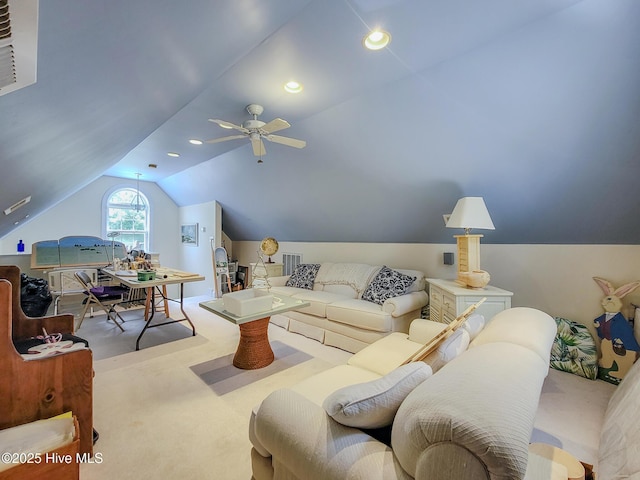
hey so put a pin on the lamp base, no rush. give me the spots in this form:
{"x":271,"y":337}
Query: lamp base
{"x":474,"y":279}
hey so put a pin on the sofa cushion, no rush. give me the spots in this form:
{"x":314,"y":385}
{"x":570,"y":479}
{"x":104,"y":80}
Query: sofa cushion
{"x":321,"y":385}
{"x":303,"y":276}
{"x":388,"y":283}
{"x":386,"y":354}
{"x":393,"y":350}
{"x":345,"y":290}
{"x":318,"y":301}
{"x":361,"y":314}
{"x":286,"y":291}
{"x":374,"y":404}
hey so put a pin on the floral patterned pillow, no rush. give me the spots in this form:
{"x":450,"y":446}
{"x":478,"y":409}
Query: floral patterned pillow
{"x":574,"y":349}
{"x":388,"y":283}
{"x":303,"y":276}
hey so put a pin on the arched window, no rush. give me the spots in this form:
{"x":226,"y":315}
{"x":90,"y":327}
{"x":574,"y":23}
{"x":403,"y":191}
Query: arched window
{"x":129,"y":217}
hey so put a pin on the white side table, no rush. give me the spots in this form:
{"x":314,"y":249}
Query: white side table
{"x":448,"y":299}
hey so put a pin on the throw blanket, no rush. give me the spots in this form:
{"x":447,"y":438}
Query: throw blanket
{"x":356,"y":275}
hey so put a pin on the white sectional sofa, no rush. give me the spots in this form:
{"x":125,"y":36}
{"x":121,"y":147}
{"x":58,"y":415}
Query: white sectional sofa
{"x":471,"y":420}
{"x":595,"y":421}
{"x":339,"y":315}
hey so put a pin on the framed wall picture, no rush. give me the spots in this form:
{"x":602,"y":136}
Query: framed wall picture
{"x":189,"y":232}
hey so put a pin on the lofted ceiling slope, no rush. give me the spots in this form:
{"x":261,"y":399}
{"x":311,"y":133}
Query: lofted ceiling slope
{"x":534,"y":105}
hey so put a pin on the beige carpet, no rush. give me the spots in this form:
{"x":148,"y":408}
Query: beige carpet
{"x":109,"y":341}
{"x":159,"y":418}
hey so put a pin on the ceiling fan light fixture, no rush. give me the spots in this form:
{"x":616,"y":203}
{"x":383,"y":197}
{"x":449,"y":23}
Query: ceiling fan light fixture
{"x":293,"y":87}
{"x":256,"y":131}
{"x":376,"y":39}
{"x":195,"y":141}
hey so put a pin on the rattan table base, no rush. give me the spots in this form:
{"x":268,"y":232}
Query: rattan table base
{"x":254,"y":350}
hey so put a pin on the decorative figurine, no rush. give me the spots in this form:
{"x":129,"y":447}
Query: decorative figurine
{"x":619,"y":347}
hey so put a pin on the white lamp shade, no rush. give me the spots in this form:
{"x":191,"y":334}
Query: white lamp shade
{"x":470,"y":212}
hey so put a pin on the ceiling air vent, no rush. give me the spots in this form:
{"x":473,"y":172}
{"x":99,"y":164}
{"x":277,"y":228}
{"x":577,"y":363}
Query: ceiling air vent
{"x":18,"y":44}
{"x":17,"y":205}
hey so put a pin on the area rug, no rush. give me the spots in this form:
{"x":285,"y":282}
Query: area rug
{"x":107,"y":340}
{"x":222,"y":377}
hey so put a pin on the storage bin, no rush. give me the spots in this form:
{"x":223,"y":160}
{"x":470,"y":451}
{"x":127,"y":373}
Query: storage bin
{"x":144,"y":275}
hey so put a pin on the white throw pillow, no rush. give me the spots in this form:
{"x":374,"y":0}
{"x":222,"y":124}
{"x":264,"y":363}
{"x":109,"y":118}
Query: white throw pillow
{"x":453,"y":346}
{"x":374,"y":404}
{"x":474,"y":325}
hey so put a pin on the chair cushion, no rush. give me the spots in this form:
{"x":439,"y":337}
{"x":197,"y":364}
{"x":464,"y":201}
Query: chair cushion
{"x":388,"y":283}
{"x":109,"y":292}
{"x":30,"y":348}
{"x":374,"y":404}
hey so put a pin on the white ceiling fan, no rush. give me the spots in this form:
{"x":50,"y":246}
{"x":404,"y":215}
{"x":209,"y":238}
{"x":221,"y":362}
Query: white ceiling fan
{"x":257,"y":130}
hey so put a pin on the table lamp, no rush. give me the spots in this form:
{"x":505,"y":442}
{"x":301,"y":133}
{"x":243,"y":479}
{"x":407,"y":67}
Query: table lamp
{"x":470,"y":212}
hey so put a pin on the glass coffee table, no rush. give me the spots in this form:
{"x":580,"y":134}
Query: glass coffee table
{"x":254,"y":350}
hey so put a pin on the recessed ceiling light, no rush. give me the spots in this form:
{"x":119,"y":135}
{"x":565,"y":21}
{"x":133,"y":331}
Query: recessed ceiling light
{"x":293,"y":87}
{"x":195,"y":141}
{"x":173,"y":154}
{"x":376,"y":39}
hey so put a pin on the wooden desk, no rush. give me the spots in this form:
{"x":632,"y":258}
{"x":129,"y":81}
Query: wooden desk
{"x":164,"y":276}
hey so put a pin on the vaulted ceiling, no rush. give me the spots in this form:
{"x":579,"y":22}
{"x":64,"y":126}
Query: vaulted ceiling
{"x":532,"y":104}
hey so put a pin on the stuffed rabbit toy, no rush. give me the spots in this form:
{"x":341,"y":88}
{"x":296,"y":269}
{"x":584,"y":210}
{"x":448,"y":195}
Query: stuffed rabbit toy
{"x":619,"y":347}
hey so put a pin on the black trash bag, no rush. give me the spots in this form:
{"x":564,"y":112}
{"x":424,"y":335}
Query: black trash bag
{"x":35,"y":296}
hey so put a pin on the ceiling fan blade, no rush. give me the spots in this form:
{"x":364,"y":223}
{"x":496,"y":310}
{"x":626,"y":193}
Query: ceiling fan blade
{"x":225,"y":124}
{"x":258,"y":146}
{"x":291,"y":142}
{"x":275,"y":125}
{"x":224,"y":139}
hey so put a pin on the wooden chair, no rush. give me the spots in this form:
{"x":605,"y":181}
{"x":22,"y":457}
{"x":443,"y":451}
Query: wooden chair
{"x":23,"y":326}
{"x":41,"y":388}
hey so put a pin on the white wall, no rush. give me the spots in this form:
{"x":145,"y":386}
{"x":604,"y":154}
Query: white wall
{"x":81,"y":214}
{"x":197,"y":258}
{"x":553,"y":278}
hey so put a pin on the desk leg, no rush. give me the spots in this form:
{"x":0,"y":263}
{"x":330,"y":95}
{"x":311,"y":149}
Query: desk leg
{"x":254,"y":350}
{"x":186,"y":317}
{"x":153,"y":311}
